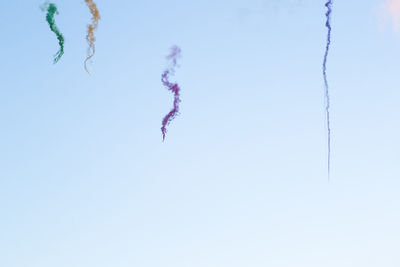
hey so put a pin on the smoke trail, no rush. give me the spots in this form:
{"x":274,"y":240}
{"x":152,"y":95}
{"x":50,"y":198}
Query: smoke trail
{"x":90,"y":33}
{"x":51,"y":11}
{"x":327,"y":98}
{"x":173,"y":87}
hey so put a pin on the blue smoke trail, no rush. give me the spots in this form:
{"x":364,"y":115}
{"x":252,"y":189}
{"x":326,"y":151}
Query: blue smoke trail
{"x":327,"y":98}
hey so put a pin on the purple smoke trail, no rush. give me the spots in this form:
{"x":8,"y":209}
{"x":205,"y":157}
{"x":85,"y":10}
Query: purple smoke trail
{"x":173,"y":87}
{"x":327,"y":98}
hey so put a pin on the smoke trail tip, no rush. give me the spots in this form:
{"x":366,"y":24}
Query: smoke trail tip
{"x":175,"y":52}
{"x":44,"y":6}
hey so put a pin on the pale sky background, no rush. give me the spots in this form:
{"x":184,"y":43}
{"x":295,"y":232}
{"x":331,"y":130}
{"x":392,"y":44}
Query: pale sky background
{"x":85,"y":180}
{"x":393,"y":6}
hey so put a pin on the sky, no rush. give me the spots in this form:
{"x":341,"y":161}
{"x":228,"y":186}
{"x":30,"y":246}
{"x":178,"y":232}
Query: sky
{"x":241,"y":179}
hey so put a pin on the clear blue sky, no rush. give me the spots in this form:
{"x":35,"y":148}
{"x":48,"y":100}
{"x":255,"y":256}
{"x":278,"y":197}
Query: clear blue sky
{"x":85,"y":180}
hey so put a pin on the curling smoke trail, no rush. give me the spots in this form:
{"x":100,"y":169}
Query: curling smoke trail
{"x":90,"y":33}
{"x":327,"y":98}
{"x":51,"y":11}
{"x":173,"y":87}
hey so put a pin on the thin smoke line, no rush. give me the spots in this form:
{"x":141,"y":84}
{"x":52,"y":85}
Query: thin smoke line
{"x":173,"y":87}
{"x":90,"y":38}
{"x":327,"y":97}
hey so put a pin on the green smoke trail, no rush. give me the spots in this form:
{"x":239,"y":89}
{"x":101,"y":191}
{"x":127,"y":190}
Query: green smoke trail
{"x":51,"y":11}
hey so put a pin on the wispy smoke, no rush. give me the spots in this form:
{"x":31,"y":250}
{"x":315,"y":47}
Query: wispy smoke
{"x":173,"y":87}
{"x":51,"y":11}
{"x":90,"y":33}
{"x":327,"y":97}
{"x":394,"y":10}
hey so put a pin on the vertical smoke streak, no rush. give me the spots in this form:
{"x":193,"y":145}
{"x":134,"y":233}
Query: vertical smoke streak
{"x":327,"y":97}
{"x":51,"y":11}
{"x":173,"y":87}
{"x":90,"y":33}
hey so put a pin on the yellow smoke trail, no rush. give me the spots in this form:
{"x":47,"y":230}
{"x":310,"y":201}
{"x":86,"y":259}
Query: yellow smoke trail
{"x":91,"y":28}
{"x":393,"y":6}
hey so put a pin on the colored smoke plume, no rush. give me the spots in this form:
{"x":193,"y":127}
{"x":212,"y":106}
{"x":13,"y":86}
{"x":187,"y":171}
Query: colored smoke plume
{"x":173,"y":87}
{"x":327,"y":97}
{"x":51,"y":11}
{"x":90,"y":32}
